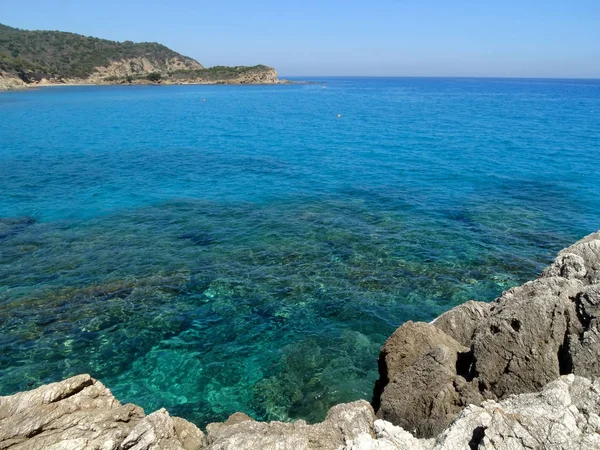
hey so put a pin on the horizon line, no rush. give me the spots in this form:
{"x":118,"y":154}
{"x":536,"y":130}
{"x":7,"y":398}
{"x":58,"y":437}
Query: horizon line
{"x":496,"y":77}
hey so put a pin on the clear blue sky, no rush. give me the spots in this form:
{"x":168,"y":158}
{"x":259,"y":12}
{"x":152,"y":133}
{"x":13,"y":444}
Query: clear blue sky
{"x":534,"y":38}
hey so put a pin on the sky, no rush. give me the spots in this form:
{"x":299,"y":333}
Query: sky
{"x":509,"y":38}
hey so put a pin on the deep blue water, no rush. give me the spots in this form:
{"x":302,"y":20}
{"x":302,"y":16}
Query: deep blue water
{"x":252,"y":252}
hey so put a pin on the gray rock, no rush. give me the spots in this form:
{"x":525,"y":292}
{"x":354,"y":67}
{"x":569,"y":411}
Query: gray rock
{"x":564,"y":415}
{"x":521,"y":346}
{"x":460,"y":322}
{"x":526,"y":338}
{"x":81,"y":413}
{"x":423,"y":392}
{"x":408,"y":344}
{"x":579,"y":261}
{"x":344,"y":424}
{"x":584,"y":340}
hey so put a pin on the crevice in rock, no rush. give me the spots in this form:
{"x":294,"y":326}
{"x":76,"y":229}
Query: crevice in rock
{"x":34,"y":432}
{"x":584,"y":318}
{"x":381,"y":383}
{"x":465,"y":365}
{"x":477,"y":437}
{"x":73,"y":391}
{"x":516,"y":325}
{"x":565,"y":360}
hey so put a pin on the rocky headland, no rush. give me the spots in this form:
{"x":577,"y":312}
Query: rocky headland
{"x":520,"y":372}
{"x":45,"y":58}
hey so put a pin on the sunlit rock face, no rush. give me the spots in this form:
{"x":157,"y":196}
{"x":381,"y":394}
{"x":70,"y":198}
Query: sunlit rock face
{"x":526,"y":338}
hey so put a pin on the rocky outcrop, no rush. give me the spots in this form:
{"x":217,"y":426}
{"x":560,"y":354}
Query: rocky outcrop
{"x":9,"y":82}
{"x":419,"y":357}
{"x":529,"y":336}
{"x":460,"y":322}
{"x":141,"y":66}
{"x":564,"y":415}
{"x":344,"y":423}
{"x":81,"y":413}
{"x":144,"y":71}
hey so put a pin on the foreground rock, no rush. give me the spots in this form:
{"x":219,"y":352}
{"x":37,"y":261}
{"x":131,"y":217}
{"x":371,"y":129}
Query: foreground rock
{"x":564,"y":415}
{"x":81,"y":413}
{"x":344,"y":424}
{"x":529,"y":336}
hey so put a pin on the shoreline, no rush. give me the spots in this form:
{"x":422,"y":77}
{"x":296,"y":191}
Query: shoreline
{"x":444,"y":385}
{"x":30,"y":86}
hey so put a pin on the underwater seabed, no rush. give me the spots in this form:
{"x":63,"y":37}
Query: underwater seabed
{"x":277,"y":310}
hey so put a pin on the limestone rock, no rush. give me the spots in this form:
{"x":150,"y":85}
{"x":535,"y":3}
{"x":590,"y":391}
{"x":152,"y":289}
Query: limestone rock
{"x":422,"y":390}
{"x":579,"y":261}
{"x":408,"y":344}
{"x":344,"y":423}
{"x":460,"y":322}
{"x":521,"y":346}
{"x":81,"y":413}
{"x":390,"y":437}
{"x":524,"y":339}
{"x":564,"y":415}
{"x":9,"y":82}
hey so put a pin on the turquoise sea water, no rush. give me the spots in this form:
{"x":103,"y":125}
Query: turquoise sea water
{"x":252,"y":252}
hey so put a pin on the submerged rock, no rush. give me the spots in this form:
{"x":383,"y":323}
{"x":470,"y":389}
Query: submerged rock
{"x":526,"y":338}
{"x":500,"y":376}
{"x":11,"y":226}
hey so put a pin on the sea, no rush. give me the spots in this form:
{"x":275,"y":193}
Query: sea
{"x":213,"y":249}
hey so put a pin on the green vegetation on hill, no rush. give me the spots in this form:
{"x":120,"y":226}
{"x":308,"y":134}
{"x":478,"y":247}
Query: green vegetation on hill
{"x":219,"y":73}
{"x":68,"y":54}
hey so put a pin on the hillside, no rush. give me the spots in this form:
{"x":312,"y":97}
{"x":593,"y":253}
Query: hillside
{"x":54,"y":57}
{"x":75,"y":56}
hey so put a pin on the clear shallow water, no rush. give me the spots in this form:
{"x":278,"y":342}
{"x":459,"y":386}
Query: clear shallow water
{"x":253,"y":252}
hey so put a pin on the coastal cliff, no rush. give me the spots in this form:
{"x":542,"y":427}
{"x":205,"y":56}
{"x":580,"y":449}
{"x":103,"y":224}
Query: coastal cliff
{"x":34,"y":58}
{"x":518,"y":373}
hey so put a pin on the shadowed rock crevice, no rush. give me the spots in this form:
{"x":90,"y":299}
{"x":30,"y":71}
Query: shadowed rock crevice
{"x":477,"y":438}
{"x":465,"y":366}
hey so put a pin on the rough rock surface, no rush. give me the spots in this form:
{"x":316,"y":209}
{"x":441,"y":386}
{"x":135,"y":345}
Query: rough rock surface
{"x":343,"y":424}
{"x":140,"y":66}
{"x":460,"y":322}
{"x":119,"y":71}
{"x":9,"y":82}
{"x":564,"y":415}
{"x":81,"y":413}
{"x":526,"y":338}
{"x":420,"y":358}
